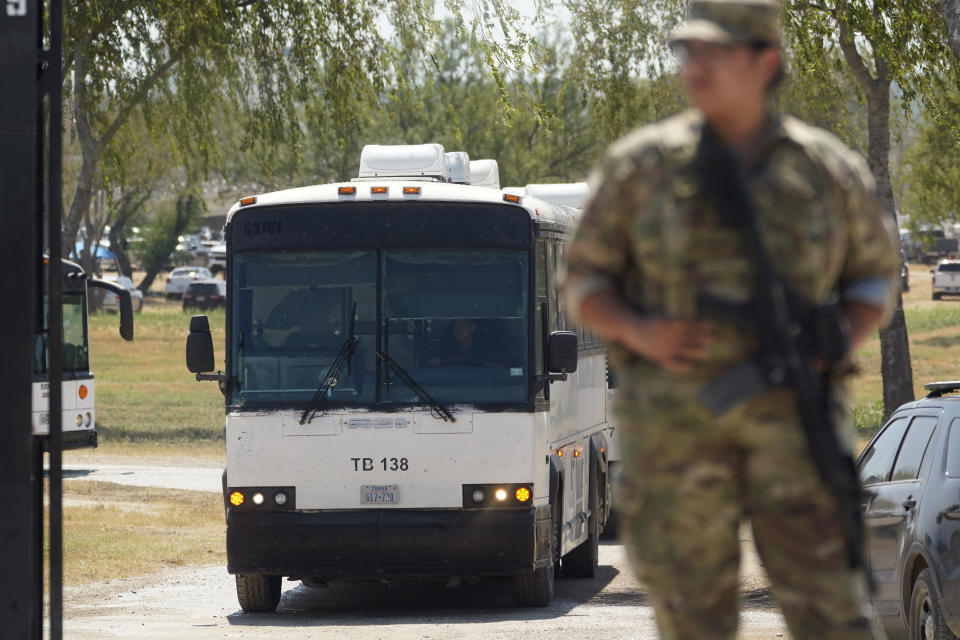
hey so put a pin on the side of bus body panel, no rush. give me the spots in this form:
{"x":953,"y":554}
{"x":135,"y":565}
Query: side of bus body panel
{"x":577,"y":411}
{"x":73,"y":405}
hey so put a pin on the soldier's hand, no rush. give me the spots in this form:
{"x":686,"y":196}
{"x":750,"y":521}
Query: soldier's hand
{"x":676,"y":345}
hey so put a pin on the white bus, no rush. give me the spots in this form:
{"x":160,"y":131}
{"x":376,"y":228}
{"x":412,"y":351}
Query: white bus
{"x":78,"y":396}
{"x":405,"y":394}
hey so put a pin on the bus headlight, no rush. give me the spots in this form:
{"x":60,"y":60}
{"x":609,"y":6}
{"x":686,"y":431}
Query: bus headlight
{"x":88,"y":420}
{"x":261,"y":498}
{"x":498,"y":496}
{"x":79,"y":420}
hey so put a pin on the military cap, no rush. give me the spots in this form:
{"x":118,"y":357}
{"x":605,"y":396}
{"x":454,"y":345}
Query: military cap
{"x":731,"y":21}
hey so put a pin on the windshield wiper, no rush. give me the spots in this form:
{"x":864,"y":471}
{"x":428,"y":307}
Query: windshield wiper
{"x":438,"y":409}
{"x":332,"y":377}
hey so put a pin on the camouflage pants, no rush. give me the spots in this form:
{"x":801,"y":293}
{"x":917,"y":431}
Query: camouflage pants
{"x":688,"y":481}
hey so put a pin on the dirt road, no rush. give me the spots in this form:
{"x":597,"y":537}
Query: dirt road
{"x":201,"y":603}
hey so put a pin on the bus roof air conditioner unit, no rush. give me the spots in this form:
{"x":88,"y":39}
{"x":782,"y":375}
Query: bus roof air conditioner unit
{"x":572,"y":194}
{"x":485,"y":173}
{"x":458,"y":164}
{"x":403,"y":161}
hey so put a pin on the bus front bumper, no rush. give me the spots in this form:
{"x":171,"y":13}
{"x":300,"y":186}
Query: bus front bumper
{"x":384,"y":543}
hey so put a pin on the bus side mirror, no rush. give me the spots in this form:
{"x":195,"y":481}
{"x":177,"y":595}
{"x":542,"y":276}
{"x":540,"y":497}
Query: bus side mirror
{"x":125,"y":303}
{"x":562,"y":352}
{"x":199,"y":346}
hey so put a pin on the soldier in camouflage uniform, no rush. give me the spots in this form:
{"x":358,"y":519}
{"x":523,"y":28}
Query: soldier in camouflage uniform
{"x":648,"y":246}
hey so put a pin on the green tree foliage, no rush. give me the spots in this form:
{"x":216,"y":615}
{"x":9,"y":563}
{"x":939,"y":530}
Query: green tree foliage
{"x":160,"y":240}
{"x":622,"y":61}
{"x":929,"y":172}
{"x":183,"y":65}
{"x":882,"y":42}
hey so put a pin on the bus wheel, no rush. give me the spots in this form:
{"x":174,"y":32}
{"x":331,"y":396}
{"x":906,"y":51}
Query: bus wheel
{"x":257,"y":593}
{"x":582,"y":562}
{"x":535,"y":589}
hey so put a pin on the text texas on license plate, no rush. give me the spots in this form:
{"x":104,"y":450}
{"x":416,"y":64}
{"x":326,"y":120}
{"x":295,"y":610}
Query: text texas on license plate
{"x":379,"y":494}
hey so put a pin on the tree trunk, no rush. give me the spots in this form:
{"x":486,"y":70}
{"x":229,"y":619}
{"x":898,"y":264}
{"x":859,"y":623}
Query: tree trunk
{"x":130,"y":204}
{"x":951,"y":14}
{"x":895,"y":367}
{"x":90,"y":158}
{"x":187,"y":205}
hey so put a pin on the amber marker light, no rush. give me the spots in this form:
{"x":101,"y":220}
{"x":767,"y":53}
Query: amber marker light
{"x":559,"y":453}
{"x":509,"y":197}
{"x":411,"y":191}
{"x":347,"y":191}
{"x":236,"y":498}
{"x":576,"y":453}
{"x":82,"y":392}
{"x":523,"y":494}
{"x":248,"y":200}
{"x":378,"y":191}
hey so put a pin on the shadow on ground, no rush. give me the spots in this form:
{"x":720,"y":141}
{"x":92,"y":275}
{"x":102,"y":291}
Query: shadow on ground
{"x":370,"y":603}
{"x":941,"y":342}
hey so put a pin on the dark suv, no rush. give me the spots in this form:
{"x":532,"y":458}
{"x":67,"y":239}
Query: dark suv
{"x":205,"y":294}
{"x":911,"y":477}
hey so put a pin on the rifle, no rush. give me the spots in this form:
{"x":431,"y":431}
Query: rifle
{"x":793,"y":335}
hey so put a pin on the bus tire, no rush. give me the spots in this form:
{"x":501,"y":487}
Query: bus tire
{"x":535,"y":589}
{"x":583,"y":561}
{"x":257,"y":593}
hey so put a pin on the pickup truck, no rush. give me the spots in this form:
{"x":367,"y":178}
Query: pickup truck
{"x":928,"y":245}
{"x":946,"y":278}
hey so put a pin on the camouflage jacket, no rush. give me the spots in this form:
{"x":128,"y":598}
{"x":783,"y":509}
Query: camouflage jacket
{"x":649,"y":233}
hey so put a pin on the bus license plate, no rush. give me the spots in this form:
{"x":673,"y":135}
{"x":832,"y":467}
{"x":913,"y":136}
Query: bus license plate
{"x":201,"y":298}
{"x":379,"y":494}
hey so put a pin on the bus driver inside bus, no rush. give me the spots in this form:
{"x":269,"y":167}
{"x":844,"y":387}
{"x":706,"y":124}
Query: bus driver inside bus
{"x":463,"y":342}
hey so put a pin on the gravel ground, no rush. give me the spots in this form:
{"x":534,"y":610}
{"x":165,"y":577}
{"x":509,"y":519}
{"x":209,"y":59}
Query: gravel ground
{"x":200,"y":602}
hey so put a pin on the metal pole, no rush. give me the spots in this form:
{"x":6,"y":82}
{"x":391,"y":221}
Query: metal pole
{"x":53,"y":86}
{"x":20,"y":214}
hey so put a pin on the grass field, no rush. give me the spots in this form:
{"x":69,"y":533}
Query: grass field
{"x":116,"y":531}
{"x":145,"y":395}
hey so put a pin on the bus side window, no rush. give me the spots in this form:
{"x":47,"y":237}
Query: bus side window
{"x":563,"y":322}
{"x":540,"y":341}
{"x":552,"y":287}
{"x":541,"y":268}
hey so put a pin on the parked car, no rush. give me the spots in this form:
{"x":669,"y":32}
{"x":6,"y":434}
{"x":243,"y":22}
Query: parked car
{"x":910,"y":472}
{"x":111,"y":301}
{"x":217,"y":260}
{"x":205,"y":294}
{"x":180,"y":277}
{"x":927,"y":245}
{"x":946,"y":278}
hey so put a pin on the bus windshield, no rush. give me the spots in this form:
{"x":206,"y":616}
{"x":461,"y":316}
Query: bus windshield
{"x":76,"y":358}
{"x":455,"y":320}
